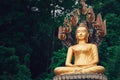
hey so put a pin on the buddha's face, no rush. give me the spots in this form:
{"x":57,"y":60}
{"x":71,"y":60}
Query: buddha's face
{"x":81,"y":33}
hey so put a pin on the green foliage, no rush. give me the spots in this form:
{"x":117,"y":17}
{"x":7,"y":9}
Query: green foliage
{"x":7,"y":58}
{"x":10,"y":67}
{"x":113,"y":60}
{"x":23,"y":73}
{"x":45,"y":76}
{"x":58,"y":58}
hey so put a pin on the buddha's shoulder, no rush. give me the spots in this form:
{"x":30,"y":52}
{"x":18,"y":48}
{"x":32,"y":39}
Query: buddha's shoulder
{"x":73,"y":47}
{"x":92,"y":45}
{"x":87,"y":45}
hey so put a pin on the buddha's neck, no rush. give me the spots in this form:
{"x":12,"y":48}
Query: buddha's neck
{"x":81,"y":42}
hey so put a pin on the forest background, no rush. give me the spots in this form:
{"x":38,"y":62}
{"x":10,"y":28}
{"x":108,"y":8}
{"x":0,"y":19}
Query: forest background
{"x":29,"y":47}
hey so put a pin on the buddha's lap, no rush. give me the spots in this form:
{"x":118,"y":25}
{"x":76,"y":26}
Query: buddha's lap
{"x":74,"y":69}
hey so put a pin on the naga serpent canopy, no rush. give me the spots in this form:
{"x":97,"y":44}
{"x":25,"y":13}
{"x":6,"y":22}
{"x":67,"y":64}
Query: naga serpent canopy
{"x":86,"y":15}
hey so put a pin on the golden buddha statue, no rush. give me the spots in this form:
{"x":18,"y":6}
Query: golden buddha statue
{"x":85,"y":54}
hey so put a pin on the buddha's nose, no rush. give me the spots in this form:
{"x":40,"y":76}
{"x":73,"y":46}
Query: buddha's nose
{"x":80,"y":33}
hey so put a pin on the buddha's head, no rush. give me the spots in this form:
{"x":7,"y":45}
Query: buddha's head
{"x":82,"y":32}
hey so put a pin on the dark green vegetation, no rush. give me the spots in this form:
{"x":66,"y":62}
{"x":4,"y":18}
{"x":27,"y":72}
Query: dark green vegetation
{"x":29,"y":48}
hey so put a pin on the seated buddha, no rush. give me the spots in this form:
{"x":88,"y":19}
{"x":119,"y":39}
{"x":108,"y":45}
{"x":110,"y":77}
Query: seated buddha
{"x":85,"y":56}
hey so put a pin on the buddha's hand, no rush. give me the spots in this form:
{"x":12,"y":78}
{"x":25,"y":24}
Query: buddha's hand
{"x":70,"y":65}
{"x":78,"y":70}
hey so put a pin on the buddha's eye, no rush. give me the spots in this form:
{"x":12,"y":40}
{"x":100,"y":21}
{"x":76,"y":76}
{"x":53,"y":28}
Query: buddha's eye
{"x":81,"y":31}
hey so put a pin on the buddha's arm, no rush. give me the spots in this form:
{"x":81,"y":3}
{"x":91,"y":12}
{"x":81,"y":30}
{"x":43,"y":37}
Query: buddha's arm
{"x":95,"y":54}
{"x":69,"y":57}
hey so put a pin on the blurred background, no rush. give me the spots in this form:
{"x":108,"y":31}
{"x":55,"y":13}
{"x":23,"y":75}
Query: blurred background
{"x":29,"y":47}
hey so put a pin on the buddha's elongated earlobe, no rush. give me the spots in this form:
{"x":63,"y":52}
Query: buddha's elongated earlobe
{"x":87,"y":37}
{"x":76,"y":39}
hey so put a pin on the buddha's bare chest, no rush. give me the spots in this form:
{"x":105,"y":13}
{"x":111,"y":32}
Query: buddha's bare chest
{"x":82,"y":49}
